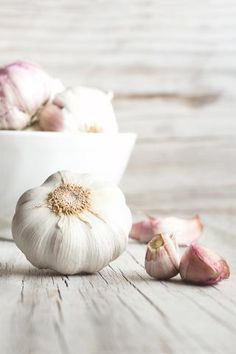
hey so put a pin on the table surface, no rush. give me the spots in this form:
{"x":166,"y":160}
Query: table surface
{"x":120,"y":309}
{"x":172,"y":68}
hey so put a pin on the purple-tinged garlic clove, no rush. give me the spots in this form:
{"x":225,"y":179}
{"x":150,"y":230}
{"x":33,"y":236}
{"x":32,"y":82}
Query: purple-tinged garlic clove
{"x":199,"y":265}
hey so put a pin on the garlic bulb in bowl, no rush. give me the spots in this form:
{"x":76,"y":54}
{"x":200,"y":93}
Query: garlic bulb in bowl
{"x":84,"y":109}
{"x":72,"y":223}
{"x":24,"y":89}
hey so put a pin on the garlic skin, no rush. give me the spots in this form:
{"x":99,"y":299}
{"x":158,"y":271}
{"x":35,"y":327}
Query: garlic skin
{"x":199,"y":265}
{"x":83,"y":109}
{"x":144,"y":230}
{"x":186,"y":231}
{"x":162,"y":258}
{"x":52,"y":118}
{"x":72,"y":223}
{"x":24,"y":89}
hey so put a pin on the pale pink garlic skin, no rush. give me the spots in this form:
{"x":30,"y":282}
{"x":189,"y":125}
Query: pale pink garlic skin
{"x":143,"y":231}
{"x":52,"y":118}
{"x":186,"y":231}
{"x":199,"y":265}
{"x":24,"y":89}
{"x":162,"y":258}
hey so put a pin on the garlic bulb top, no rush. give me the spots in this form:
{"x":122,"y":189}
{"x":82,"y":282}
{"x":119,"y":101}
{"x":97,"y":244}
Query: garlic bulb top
{"x":24,"y":88}
{"x":72,"y":223}
{"x":81,"y":108}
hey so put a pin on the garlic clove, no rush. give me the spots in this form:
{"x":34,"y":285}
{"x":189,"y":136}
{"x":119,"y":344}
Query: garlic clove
{"x":84,"y":109}
{"x":33,"y":229}
{"x":72,"y":223}
{"x":162,"y":258}
{"x":200,"y":265}
{"x":143,"y":231}
{"x":34,"y":197}
{"x":186,"y":231}
{"x":24,"y":89}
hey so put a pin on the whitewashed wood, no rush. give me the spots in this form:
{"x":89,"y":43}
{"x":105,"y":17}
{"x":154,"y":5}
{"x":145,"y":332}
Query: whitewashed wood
{"x":185,"y":157}
{"x":182,"y":176}
{"x":119,"y":310}
{"x":177,"y":119}
{"x":158,"y":46}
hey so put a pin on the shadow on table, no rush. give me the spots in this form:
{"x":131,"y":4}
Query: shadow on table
{"x":5,"y":239}
{"x":135,"y":279}
{"x":7,"y":269}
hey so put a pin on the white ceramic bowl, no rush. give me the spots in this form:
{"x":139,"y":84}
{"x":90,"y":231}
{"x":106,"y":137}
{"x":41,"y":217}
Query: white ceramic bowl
{"x":28,"y":158}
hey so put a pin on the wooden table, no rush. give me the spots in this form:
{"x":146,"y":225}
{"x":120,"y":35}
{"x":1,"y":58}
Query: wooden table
{"x":118,"y":310}
{"x":172,"y":67}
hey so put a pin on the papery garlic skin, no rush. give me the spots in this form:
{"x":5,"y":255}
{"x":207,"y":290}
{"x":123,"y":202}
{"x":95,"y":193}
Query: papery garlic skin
{"x":199,"y":265}
{"x":144,"y":230}
{"x":186,"y":231}
{"x":24,"y":89}
{"x":72,"y":223}
{"x":84,"y":109}
{"x":162,"y":258}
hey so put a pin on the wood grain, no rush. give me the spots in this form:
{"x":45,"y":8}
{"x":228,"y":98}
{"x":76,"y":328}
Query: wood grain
{"x":185,"y":157}
{"x":118,"y":310}
{"x":158,"y":47}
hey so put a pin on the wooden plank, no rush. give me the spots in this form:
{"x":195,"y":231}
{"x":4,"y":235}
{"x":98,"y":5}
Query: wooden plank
{"x":119,"y":310}
{"x":177,"y":118}
{"x":155,"y":47}
{"x":182,"y":177}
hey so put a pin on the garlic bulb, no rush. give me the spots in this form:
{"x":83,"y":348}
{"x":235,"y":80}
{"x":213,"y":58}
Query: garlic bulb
{"x":81,"y":108}
{"x":72,"y":223}
{"x":24,"y":89}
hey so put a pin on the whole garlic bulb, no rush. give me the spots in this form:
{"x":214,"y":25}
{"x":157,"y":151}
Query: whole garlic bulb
{"x":84,"y":109}
{"x":72,"y":223}
{"x":24,"y":89}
